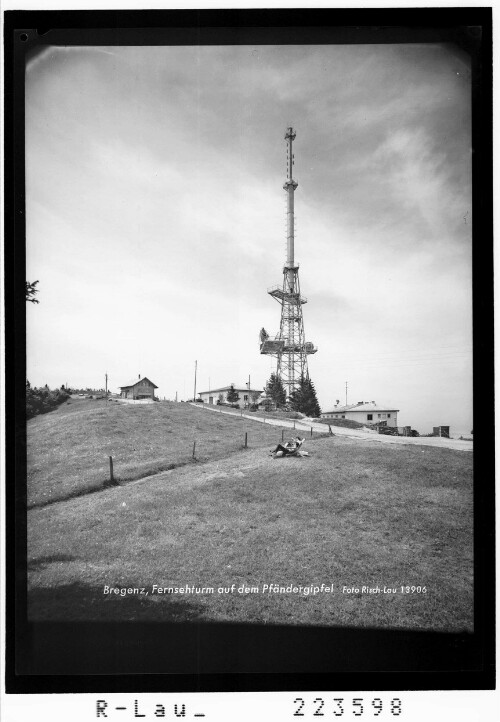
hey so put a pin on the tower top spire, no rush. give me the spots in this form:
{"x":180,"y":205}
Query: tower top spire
{"x":289,"y":137}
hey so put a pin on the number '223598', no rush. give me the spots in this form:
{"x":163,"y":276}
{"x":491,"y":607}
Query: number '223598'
{"x":339,"y":705}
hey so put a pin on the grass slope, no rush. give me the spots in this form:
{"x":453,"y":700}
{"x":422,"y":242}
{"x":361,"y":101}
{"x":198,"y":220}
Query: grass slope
{"x":354,"y":513}
{"x":69,"y":448}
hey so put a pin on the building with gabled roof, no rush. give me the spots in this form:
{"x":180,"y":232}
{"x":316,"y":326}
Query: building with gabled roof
{"x":365,"y":412}
{"x":138,"y":389}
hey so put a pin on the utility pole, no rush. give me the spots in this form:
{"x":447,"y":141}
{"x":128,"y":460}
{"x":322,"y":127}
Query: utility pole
{"x":249,"y":394}
{"x":106,"y":375}
{"x":346,"y":393}
{"x":195,"y":369}
{"x":176,"y":396}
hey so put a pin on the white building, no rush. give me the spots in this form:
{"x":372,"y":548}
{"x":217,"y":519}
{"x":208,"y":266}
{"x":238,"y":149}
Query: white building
{"x":215,"y":395}
{"x":365,"y":412}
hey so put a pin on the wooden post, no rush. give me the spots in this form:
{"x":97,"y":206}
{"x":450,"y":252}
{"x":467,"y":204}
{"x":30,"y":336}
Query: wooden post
{"x":194,"y":449}
{"x":311,"y":432}
{"x":246,"y":439}
{"x":111,"y":477}
{"x":294,"y":424}
{"x":282,"y":434}
{"x":330,"y":429}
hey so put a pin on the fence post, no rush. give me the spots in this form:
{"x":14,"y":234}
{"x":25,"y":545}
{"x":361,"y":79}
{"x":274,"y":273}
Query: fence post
{"x":330,"y":429}
{"x":246,"y":439}
{"x":294,"y":424}
{"x":194,"y":449}
{"x":311,"y":432}
{"x":111,"y":477}
{"x":282,"y":434}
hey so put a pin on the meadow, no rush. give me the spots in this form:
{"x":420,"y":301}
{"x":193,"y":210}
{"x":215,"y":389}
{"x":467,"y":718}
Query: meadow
{"x":69,"y":448}
{"x":354,"y":514}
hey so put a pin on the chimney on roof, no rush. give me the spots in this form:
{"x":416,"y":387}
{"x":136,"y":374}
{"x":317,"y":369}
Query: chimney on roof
{"x":139,"y":375}
{"x":373,"y":402}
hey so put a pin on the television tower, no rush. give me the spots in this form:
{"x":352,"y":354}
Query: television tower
{"x":289,"y":345}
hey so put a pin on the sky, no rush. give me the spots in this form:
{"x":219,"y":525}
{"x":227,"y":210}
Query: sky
{"x":156,"y":219}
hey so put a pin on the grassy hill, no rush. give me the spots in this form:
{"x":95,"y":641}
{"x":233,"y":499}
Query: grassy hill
{"x":69,"y":448}
{"x":354,"y":514}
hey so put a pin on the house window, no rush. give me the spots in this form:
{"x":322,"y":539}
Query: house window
{"x":379,"y":415}
{"x":245,"y":397}
{"x":369,"y":417}
{"x":343,"y":416}
{"x":388,"y":416}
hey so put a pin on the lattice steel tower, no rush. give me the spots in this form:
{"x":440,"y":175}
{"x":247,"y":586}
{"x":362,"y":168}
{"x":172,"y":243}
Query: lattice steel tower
{"x":289,"y":345}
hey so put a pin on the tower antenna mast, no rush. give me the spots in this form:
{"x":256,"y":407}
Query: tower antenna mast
{"x":289,"y":345}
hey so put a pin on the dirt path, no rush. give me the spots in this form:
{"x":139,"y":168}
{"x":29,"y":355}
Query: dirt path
{"x":307,"y":424}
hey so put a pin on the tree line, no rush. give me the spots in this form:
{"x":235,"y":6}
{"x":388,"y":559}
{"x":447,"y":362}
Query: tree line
{"x":303,"y":399}
{"x":42,"y":400}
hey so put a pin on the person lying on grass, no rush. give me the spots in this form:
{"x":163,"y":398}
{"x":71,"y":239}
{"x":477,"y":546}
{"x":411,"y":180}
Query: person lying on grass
{"x":290,"y":448}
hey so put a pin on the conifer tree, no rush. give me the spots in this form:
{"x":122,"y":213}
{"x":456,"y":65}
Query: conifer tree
{"x":304,"y":399}
{"x":275,"y":390}
{"x":232,"y":395}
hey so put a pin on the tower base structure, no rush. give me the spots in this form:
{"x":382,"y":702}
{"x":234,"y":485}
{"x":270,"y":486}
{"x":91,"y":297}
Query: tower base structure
{"x":289,"y":345}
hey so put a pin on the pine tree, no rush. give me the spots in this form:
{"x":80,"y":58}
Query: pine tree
{"x":275,"y":390}
{"x":304,"y":399}
{"x":232,"y":395}
{"x":314,"y":409}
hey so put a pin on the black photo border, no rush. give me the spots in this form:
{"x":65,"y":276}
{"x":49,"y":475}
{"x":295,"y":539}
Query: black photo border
{"x":139,"y":657}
